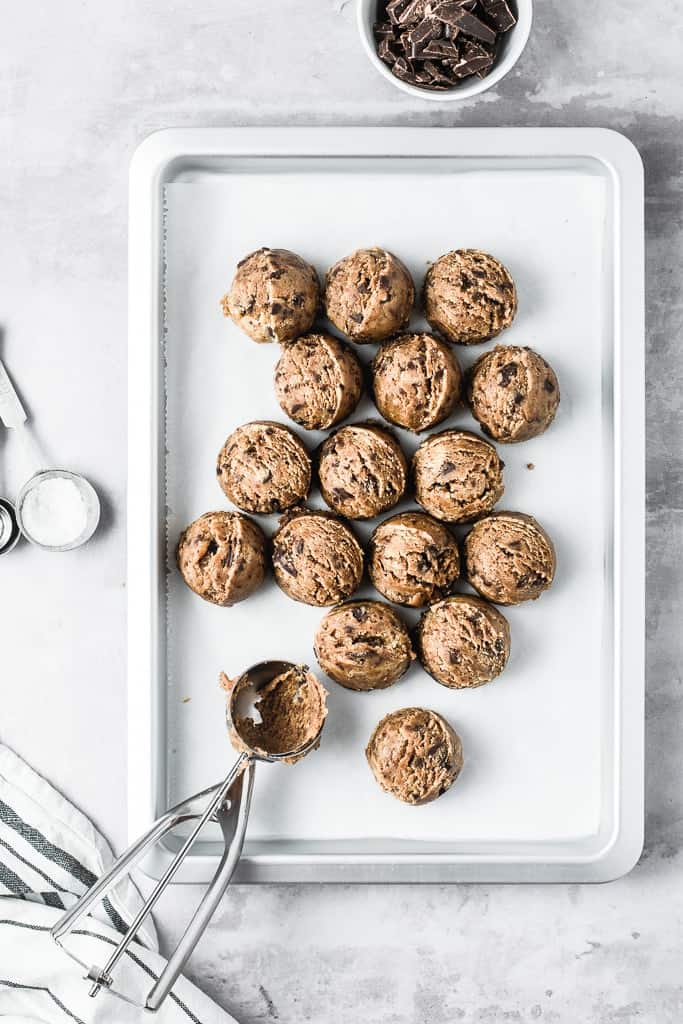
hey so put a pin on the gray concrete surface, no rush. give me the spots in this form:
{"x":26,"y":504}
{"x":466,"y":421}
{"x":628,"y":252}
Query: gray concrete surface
{"x":80,"y":85}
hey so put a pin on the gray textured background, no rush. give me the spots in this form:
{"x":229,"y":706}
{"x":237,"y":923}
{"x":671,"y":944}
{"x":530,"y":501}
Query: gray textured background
{"x":80,"y":85}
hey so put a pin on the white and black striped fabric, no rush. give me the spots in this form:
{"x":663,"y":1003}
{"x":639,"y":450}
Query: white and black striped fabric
{"x":50,"y":854}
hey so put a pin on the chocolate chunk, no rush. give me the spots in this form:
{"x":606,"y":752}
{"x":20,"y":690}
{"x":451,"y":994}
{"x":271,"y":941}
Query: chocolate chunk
{"x":395,"y":8}
{"x":383,"y":28}
{"x":441,"y":48}
{"x":499,"y":14}
{"x":427,"y":29}
{"x":388,"y":53}
{"x":415,"y":11}
{"x":468,"y":23}
{"x":507,"y":372}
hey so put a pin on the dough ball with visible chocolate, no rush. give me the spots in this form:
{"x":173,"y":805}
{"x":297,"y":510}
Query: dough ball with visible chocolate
{"x":318,"y":381}
{"x":264,"y":467}
{"x":469,"y":296}
{"x":509,"y":558}
{"x":416,"y":381}
{"x":362,"y":471}
{"x":415,"y":755}
{"x":413,"y":559}
{"x":316,"y":558}
{"x":222,"y":557}
{"x":457,"y":475}
{"x":369,"y":295}
{"x":363,"y":645}
{"x":288,"y":714}
{"x":274,"y":295}
{"x":463,"y":641}
{"x":513,"y":393}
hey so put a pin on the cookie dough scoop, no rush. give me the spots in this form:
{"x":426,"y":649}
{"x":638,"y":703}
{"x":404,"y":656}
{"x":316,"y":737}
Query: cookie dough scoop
{"x":509,"y":558}
{"x":318,"y":381}
{"x":274,"y":295}
{"x":416,"y":381}
{"x":369,"y":295}
{"x":316,"y":558}
{"x":469,"y":296}
{"x":276,"y":712}
{"x":413,"y":559}
{"x":513,"y":393}
{"x":362,"y":471}
{"x":415,"y":755}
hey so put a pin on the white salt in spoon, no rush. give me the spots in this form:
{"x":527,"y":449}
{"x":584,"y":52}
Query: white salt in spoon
{"x":56,"y":510}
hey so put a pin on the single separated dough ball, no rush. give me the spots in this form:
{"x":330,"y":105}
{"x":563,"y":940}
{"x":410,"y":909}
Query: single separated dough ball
{"x":509,"y":558}
{"x":291,"y":710}
{"x":264,"y":467}
{"x":413,"y":559}
{"x":415,"y":755}
{"x":362,"y":471}
{"x":469,"y":296}
{"x":369,"y":295}
{"x":513,"y":393}
{"x":416,"y":381}
{"x":463,"y":641}
{"x":457,"y":476}
{"x":318,"y":381}
{"x":222,"y":557}
{"x":363,"y":645}
{"x":274,"y":295}
{"x":316,"y":558}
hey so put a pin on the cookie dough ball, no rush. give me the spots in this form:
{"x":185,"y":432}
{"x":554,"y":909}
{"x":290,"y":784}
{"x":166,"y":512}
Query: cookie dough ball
{"x":369,"y":295}
{"x":513,"y":393}
{"x":509,"y":558}
{"x":291,"y":711}
{"x":416,"y":381}
{"x":457,"y":476}
{"x":318,"y":381}
{"x":413,"y":559}
{"x":274,"y":295}
{"x":362,"y":471}
{"x":264,"y":467}
{"x":463,"y":641}
{"x":415,"y":755}
{"x":222,"y":557}
{"x":363,"y":645}
{"x":469,"y":296}
{"x":316,"y":558}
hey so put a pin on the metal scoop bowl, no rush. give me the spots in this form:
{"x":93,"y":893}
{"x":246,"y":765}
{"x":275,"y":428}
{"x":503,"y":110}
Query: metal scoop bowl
{"x":227,"y":803}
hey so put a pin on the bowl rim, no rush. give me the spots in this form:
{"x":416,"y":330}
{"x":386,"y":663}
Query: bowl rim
{"x":519,"y":37}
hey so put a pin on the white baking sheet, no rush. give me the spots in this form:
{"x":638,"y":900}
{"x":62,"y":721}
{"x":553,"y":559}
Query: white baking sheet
{"x":535,"y":739}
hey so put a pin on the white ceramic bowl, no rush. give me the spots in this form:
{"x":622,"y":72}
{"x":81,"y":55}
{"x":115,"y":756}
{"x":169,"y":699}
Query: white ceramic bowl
{"x":511,"y":48}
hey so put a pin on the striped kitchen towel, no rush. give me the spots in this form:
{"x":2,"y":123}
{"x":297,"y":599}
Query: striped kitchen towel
{"x":49,"y":855}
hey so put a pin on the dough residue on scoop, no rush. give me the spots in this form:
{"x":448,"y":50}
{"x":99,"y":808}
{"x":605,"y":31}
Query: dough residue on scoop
{"x":288,"y":714}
